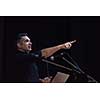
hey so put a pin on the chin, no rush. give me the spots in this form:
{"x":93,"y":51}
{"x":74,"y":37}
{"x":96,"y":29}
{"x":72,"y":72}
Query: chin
{"x":30,"y":49}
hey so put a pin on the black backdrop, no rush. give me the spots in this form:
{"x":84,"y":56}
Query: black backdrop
{"x":49,"y":31}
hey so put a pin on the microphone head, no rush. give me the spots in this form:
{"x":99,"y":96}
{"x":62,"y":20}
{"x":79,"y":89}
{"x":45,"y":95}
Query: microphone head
{"x":62,"y":54}
{"x":52,"y":58}
{"x":56,"y":56}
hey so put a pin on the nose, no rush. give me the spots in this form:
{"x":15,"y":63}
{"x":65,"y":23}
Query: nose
{"x":30,"y":43}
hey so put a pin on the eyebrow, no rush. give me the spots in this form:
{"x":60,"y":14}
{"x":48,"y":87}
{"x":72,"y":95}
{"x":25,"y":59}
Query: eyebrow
{"x":23,"y":39}
{"x":26,"y":39}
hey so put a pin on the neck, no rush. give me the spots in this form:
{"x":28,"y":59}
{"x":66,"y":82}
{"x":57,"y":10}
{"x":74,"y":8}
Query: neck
{"x":23,"y":50}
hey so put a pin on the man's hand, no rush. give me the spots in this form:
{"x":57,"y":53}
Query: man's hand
{"x":68,"y":44}
{"x":46,"y":79}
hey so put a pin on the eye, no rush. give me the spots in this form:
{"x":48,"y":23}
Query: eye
{"x":27,"y":40}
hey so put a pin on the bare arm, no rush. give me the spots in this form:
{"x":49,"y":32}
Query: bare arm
{"x":50,"y":51}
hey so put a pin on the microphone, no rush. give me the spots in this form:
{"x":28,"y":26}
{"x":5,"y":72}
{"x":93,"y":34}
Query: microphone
{"x":61,"y":55}
{"x":56,"y":56}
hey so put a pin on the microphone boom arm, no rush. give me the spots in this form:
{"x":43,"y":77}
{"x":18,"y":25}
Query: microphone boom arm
{"x":60,"y":66}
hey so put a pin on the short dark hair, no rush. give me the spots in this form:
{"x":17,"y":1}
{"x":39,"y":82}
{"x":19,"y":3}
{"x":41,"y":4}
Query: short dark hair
{"x":20,"y":35}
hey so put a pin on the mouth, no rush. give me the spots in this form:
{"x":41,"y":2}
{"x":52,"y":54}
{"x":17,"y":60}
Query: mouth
{"x":29,"y":47}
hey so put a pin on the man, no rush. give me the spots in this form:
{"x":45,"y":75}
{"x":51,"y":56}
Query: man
{"x":26,"y":69}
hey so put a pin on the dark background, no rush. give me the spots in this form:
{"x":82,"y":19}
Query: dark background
{"x":49,"y":31}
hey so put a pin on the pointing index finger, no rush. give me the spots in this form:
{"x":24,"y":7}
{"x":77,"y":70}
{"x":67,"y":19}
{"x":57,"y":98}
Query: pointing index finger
{"x":73,"y":41}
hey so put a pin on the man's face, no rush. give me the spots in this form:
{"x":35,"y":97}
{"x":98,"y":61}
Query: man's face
{"x":24,"y":44}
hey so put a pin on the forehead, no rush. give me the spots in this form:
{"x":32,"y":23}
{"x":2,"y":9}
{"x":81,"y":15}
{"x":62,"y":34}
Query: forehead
{"x":23,"y":38}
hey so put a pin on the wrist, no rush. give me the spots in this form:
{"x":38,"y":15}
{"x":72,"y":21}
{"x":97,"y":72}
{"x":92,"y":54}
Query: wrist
{"x":62,"y":46}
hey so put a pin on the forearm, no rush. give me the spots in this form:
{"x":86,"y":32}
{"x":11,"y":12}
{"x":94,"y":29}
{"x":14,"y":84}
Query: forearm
{"x":49,"y":51}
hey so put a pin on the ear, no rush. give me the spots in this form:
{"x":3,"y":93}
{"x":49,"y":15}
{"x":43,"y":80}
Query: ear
{"x":18,"y":45}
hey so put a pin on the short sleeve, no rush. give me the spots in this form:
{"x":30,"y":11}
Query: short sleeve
{"x":22,"y":57}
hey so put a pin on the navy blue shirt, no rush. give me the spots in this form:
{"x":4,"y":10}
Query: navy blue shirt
{"x":26,"y":69}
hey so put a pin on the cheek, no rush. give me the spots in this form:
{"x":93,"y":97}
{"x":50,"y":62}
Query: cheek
{"x":25,"y":46}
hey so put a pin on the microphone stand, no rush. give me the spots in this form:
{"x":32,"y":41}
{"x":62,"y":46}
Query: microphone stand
{"x":60,"y":66}
{"x":74,"y":66}
{"x":77,"y":68}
